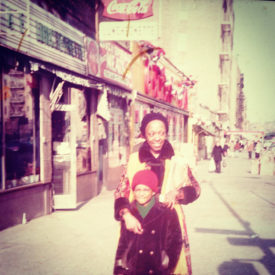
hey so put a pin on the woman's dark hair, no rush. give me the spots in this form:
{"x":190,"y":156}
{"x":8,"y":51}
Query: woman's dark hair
{"x":153,"y":116}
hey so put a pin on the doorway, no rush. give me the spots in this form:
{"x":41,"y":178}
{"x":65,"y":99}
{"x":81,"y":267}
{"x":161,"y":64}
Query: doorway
{"x":64,"y":154}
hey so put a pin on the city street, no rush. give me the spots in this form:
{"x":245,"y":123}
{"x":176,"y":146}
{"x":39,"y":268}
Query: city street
{"x":231,"y":229}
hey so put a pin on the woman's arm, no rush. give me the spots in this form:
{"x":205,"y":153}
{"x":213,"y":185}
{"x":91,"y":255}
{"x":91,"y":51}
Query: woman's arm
{"x":122,"y":205}
{"x":121,"y":195}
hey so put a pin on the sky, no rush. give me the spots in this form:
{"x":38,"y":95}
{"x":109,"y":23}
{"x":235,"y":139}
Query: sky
{"x":254,"y":45}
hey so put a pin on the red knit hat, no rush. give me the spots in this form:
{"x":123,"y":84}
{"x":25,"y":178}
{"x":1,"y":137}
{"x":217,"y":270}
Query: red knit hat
{"x":146,"y":177}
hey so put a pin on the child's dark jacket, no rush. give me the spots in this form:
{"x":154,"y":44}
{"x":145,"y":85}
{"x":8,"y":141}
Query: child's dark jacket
{"x":148,"y":253}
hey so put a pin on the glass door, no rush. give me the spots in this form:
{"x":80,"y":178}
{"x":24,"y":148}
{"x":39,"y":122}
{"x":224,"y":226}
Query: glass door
{"x":64,"y":156}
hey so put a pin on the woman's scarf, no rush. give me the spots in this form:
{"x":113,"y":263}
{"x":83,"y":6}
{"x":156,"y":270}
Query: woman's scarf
{"x":156,"y":164}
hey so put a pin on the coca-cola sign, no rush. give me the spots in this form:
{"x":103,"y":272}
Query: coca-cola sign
{"x":127,"y":9}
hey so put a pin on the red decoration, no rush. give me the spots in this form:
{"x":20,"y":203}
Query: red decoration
{"x":31,"y":81}
{"x":92,"y":57}
{"x":185,"y":99}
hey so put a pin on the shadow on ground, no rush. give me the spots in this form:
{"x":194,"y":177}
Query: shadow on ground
{"x":243,"y":266}
{"x":236,"y":267}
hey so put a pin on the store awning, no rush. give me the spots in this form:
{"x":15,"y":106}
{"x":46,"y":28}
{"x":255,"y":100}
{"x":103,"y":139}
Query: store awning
{"x":66,"y":76}
{"x":201,"y":130}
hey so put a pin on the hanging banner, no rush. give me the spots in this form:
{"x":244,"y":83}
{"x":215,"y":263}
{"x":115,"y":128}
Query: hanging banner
{"x":103,"y":106}
{"x":56,"y":94}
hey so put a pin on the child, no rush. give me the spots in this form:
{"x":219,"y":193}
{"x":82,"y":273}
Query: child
{"x":157,"y":249}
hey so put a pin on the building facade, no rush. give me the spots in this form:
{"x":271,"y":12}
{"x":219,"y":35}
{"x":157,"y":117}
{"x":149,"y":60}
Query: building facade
{"x":201,"y":44}
{"x":70,"y":115}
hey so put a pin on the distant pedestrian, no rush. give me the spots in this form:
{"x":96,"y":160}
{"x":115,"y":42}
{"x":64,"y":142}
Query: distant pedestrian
{"x":237,"y":146}
{"x":225,"y":149}
{"x":250,"y":148}
{"x":157,"y":249}
{"x":258,"y":149}
{"x":217,"y":154}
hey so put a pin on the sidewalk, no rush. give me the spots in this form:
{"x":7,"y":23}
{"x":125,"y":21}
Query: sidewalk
{"x":231,"y":226}
{"x":65,"y":242}
{"x":231,"y":229}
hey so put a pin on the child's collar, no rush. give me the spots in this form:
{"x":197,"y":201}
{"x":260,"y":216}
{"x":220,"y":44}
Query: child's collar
{"x":144,"y":210}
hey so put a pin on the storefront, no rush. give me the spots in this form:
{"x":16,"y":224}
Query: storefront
{"x":48,"y":115}
{"x":113,"y":111}
{"x":203,"y":140}
{"x":74,"y":146}
{"x":22,"y":195}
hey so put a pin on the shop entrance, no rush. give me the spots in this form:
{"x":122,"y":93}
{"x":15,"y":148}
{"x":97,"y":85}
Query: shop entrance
{"x":64,"y":155}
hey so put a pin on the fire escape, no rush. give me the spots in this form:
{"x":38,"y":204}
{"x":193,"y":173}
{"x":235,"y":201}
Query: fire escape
{"x":225,"y":60}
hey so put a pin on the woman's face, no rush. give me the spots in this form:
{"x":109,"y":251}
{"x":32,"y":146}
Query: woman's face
{"x":155,"y":134}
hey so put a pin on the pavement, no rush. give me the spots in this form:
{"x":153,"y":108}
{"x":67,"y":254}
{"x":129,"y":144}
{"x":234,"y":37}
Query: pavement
{"x":231,"y":230}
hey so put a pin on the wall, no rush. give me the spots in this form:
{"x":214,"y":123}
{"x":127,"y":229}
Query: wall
{"x":34,"y":201}
{"x":87,"y":187}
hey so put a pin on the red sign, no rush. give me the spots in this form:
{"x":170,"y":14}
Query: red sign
{"x":93,"y":57}
{"x":128,"y":9}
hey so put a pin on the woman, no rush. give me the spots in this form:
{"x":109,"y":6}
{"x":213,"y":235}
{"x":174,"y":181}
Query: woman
{"x":217,"y":154}
{"x":156,"y":154}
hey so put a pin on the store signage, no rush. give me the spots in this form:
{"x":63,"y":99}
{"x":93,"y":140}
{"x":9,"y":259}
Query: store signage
{"x":14,"y":84}
{"x":58,"y":41}
{"x":127,"y":9}
{"x":113,"y":61}
{"x":27,"y":28}
{"x":123,"y":30}
{"x":130,"y":20}
{"x":93,"y":57}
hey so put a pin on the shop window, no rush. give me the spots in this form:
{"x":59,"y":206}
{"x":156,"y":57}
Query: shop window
{"x":20,"y":125}
{"x":117,"y":132}
{"x":83,"y":149}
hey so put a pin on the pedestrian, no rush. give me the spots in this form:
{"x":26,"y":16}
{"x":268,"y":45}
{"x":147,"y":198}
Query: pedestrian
{"x":266,"y":162}
{"x":258,"y":149}
{"x":237,"y":146}
{"x":225,"y":149}
{"x":217,"y":154}
{"x":157,"y":249}
{"x":250,"y":148}
{"x":156,"y":153}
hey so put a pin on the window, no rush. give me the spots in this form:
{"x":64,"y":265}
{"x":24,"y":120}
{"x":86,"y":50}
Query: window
{"x":20,"y":130}
{"x":224,"y":67}
{"x":83,"y":150}
{"x":226,"y":37}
